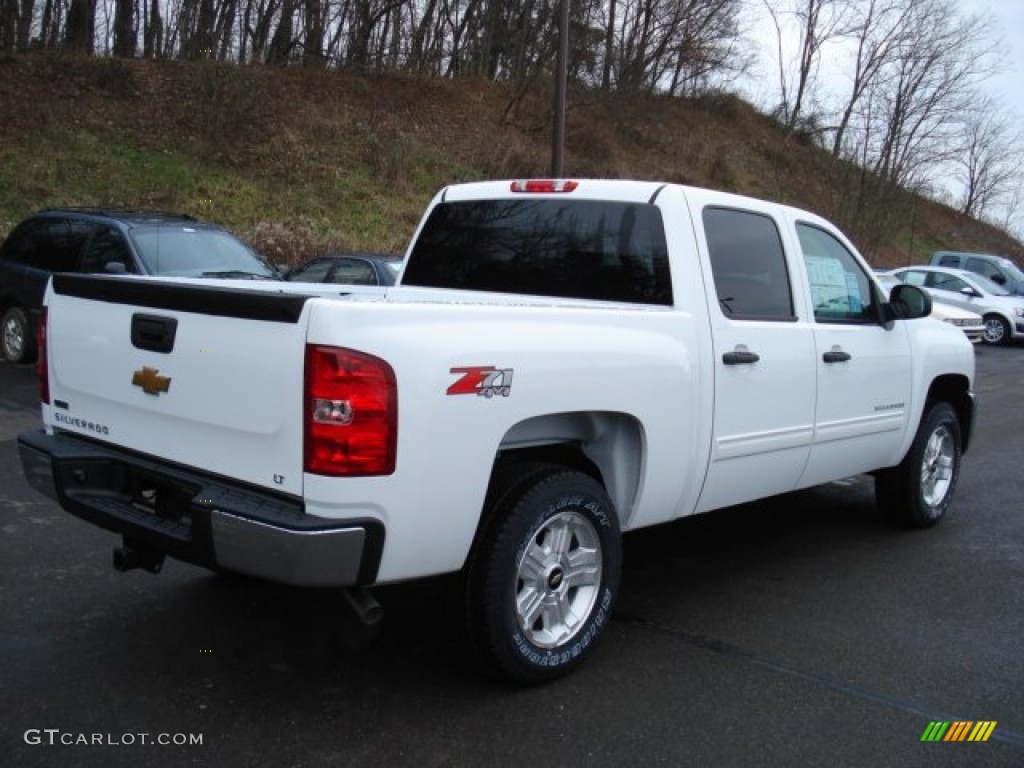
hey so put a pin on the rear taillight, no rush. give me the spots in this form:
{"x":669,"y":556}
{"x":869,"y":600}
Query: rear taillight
{"x":42,"y":369}
{"x":544,"y":185}
{"x":351,"y":413}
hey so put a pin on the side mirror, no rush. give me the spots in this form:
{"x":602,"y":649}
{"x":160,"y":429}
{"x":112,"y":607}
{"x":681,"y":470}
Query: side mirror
{"x":998,"y":278}
{"x":908,"y":302}
{"x":970,"y":292}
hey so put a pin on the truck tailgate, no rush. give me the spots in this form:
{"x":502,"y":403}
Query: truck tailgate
{"x":206,"y":376}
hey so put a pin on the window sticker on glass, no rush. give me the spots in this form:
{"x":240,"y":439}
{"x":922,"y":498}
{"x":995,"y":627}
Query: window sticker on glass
{"x":855,"y":302}
{"x":831,"y":291}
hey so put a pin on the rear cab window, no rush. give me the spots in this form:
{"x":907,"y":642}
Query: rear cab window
{"x":577,"y":249}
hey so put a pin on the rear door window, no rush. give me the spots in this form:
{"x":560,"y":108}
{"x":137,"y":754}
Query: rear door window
{"x":584,"y":249}
{"x":353,"y":272}
{"x":940,"y":281}
{"x":314,"y":272}
{"x":62,"y":244}
{"x":748,"y":264}
{"x":107,"y":247}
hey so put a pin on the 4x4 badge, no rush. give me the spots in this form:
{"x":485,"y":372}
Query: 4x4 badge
{"x":151,"y":381}
{"x":482,"y":381}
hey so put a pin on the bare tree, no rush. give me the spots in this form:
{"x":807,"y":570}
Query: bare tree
{"x":904,"y":125}
{"x":877,"y":30}
{"x":125,"y":41}
{"x":81,"y":26}
{"x":990,"y":159}
{"x":28,"y":10}
{"x":9,"y":12}
{"x":818,"y":22}
{"x":153,"y":30}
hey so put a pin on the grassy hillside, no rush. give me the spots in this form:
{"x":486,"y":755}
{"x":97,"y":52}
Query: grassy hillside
{"x":299,"y":162}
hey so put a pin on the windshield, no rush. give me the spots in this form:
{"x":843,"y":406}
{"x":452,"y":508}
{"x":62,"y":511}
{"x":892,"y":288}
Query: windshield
{"x":188,"y":251}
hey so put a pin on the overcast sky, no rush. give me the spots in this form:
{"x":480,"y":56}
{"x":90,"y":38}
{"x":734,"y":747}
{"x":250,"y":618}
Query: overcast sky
{"x":1006,"y":82}
{"x":1009,"y":23}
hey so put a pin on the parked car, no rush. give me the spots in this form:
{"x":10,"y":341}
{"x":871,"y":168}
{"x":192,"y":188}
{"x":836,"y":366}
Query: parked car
{"x":110,"y":241}
{"x":998,"y":269}
{"x":349,"y":269}
{"x":1002,"y":312}
{"x":970,"y":323}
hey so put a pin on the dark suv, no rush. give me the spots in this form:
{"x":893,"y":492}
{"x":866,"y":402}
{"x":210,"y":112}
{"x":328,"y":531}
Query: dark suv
{"x":109,"y":241}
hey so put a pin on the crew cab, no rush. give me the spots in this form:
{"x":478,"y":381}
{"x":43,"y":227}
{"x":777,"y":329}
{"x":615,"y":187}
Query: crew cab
{"x":562,"y":361}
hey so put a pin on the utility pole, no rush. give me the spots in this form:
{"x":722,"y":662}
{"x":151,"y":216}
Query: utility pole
{"x":561,"y":80}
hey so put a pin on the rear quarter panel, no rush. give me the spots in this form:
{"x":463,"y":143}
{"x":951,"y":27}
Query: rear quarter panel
{"x":560,"y":360}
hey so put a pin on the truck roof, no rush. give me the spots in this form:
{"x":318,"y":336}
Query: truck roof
{"x":625,"y":190}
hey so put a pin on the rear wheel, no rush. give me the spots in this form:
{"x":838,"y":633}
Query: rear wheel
{"x":16,"y":338}
{"x":544,"y":575}
{"x":997,"y":330}
{"x":918,"y":491}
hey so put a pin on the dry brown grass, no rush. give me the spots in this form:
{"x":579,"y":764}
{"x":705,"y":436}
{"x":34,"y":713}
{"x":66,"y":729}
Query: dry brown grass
{"x":304,"y":161}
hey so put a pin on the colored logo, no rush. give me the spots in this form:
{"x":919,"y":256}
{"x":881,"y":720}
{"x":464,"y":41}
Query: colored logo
{"x":483,"y":381}
{"x":151,"y":381}
{"x":959,"y":730}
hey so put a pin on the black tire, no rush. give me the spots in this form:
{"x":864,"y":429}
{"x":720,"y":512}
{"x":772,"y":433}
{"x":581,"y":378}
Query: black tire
{"x":917,"y":493}
{"x":549,"y":551}
{"x":997,"y":330}
{"x":17,"y":341}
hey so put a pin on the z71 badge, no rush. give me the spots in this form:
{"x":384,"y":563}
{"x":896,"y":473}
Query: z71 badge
{"x":482,"y":381}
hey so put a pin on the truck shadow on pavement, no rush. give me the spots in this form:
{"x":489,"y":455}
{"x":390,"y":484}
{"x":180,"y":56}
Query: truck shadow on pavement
{"x":241,"y":630}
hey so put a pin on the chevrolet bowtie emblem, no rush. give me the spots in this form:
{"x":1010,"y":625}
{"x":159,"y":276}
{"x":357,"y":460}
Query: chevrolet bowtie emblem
{"x":151,"y":381}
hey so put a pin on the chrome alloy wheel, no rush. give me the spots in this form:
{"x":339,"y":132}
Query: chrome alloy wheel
{"x":558,"y":579}
{"x":937,"y":466}
{"x":995,"y":330}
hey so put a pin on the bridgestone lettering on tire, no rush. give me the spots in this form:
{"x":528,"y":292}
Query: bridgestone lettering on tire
{"x":544,"y":575}
{"x":918,"y":491}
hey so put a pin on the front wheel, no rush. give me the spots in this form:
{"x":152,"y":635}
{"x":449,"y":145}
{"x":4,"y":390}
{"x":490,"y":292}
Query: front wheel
{"x":918,"y":491}
{"x":544,"y":575}
{"x":997,"y":330}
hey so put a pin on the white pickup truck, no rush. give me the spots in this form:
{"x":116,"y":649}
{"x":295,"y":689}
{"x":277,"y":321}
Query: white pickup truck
{"x":562,"y":361}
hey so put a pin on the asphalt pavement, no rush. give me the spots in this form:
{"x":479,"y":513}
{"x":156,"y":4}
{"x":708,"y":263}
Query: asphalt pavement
{"x":798,"y":631}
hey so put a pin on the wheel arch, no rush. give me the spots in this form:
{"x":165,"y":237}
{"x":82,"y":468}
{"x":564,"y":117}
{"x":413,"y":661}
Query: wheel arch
{"x":955,"y":389}
{"x":607,"y":445}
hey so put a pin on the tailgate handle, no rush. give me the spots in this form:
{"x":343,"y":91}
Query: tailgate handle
{"x":153,"y":332}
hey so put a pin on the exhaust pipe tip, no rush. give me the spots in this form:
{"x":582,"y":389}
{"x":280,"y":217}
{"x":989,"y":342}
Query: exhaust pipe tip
{"x":364,"y":605}
{"x":131,"y":556}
